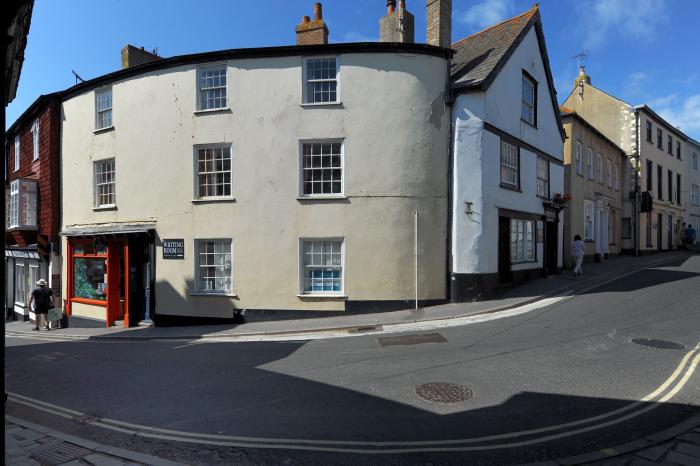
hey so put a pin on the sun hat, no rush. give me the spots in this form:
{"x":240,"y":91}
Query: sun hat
{"x":41,"y":282}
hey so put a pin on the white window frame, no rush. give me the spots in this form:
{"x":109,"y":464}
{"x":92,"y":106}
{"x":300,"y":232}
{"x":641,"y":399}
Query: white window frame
{"x":13,"y":207}
{"x":305,"y":80}
{"x":695,"y":194}
{"x":542,"y":183}
{"x":96,"y":185}
{"x":588,"y":220}
{"x":521,"y":241}
{"x":591,"y":167}
{"x":35,"y":139}
{"x":511,"y":149}
{"x":302,"y":168}
{"x":579,"y":158}
{"x":695,"y":160}
{"x":197,"y":268}
{"x":17,"y":152}
{"x":322,"y":293}
{"x":610,"y":174}
{"x":99,"y":111}
{"x":600,"y":168}
{"x":201,"y":90}
{"x":199,"y":147}
{"x":20,"y":282}
{"x":528,"y":108}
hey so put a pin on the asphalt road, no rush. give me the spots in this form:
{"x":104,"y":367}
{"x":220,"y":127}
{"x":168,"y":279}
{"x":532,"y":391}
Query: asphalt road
{"x":555,"y":382}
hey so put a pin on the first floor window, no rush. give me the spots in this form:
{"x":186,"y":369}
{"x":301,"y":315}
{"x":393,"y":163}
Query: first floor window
{"x":212,"y":87}
{"x":626,"y":228}
{"x":20,"y":283}
{"x":103,"y":108}
{"x":17,"y":152}
{"x":322,"y":266}
{"x":610,"y":174}
{"x":588,"y":220}
{"x":104,"y":183}
{"x":90,"y":278}
{"x":213,"y":171}
{"x":542,"y":177}
{"x":616,"y":176}
{"x":510,"y":166}
{"x":35,"y":139}
{"x":600,"y":168}
{"x":590,"y":163}
{"x":579,"y":158}
{"x":214,"y":271}
{"x":695,"y":161}
{"x":522,"y":240}
{"x":321,"y":80}
{"x":322,"y":168}
{"x":13,"y":210}
{"x":695,"y":194}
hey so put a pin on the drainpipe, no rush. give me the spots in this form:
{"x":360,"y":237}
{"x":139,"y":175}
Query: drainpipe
{"x":636,"y":183}
{"x":416,"y":254}
{"x":449,"y":281}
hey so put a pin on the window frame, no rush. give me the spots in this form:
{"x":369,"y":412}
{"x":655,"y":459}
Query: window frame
{"x":99,"y":112}
{"x":199,"y":89}
{"x":302,"y":169}
{"x":649,"y":131}
{"x":528,"y":78}
{"x":23,"y":282}
{"x":542,"y":160}
{"x":320,"y":294}
{"x":659,"y":139}
{"x":650,"y":175}
{"x":678,"y":188}
{"x":586,"y":204}
{"x":600,"y":175}
{"x":626,"y":231}
{"x":525,"y":259}
{"x":304,"y":80}
{"x":591,"y":164}
{"x":197,"y":269}
{"x":18,"y":151}
{"x":95,"y":184}
{"x":660,"y":182}
{"x":195,"y":170}
{"x":35,"y":140}
{"x":507,"y":184}
{"x":695,"y":194}
{"x":670,"y":145}
{"x":14,"y":193}
{"x":669,"y":186}
{"x":609,"y":166}
{"x":678,"y":150}
{"x":695,"y":161}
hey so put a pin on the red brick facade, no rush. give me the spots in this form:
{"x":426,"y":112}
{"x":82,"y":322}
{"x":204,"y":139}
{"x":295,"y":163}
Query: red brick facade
{"x":47,"y":109}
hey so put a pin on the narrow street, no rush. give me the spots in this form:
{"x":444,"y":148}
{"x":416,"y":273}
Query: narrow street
{"x":556,"y":382}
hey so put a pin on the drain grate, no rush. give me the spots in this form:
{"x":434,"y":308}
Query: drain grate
{"x":412,"y":339}
{"x":444,"y":392}
{"x":366,"y":328}
{"x":58,"y":454}
{"x":661,"y":344}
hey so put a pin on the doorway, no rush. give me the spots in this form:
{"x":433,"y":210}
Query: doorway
{"x":670,"y":232}
{"x":659,"y":231}
{"x":505,"y":274}
{"x":551,"y":253}
{"x":140,"y":278}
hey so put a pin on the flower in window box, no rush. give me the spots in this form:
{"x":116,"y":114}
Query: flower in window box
{"x":561,"y":198}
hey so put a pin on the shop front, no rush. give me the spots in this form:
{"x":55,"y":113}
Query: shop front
{"x":23,"y":268}
{"x":109,"y":279}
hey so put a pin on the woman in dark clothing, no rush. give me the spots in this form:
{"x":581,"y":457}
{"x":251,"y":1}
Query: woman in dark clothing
{"x":43,"y":300}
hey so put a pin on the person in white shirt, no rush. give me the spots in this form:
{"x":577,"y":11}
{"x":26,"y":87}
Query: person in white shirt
{"x":577,"y":251}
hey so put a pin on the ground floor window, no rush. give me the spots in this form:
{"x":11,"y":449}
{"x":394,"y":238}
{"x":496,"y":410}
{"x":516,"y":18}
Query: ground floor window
{"x":322,"y":266}
{"x":89,"y":278}
{"x":588,"y":220}
{"x":20,"y":283}
{"x":214,"y":270}
{"x":522,"y":240}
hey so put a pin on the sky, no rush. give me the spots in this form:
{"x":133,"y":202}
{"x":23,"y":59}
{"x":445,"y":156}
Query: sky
{"x":641,"y":51}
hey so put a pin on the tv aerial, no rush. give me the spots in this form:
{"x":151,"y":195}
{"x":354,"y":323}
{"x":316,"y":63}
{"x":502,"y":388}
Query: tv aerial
{"x":77,"y":77}
{"x":580,"y":57}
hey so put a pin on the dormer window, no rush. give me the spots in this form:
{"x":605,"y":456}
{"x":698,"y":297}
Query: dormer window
{"x":528,"y":111}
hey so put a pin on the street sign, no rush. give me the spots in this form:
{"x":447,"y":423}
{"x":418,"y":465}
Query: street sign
{"x":173,"y":249}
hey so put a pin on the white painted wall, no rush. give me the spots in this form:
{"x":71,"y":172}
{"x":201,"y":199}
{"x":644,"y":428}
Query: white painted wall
{"x":691,"y":176}
{"x":395,"y":129}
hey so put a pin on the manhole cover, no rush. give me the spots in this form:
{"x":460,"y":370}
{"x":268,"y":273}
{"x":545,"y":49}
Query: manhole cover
{"x":444,"y":392}
{"x":662,"y":344}
{"x":58,"y":454}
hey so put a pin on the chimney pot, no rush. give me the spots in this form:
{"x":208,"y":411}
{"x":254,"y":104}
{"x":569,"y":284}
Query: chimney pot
{"x":312,"y":32}
{"x":402,"y":4}
{"x":305,"y":20}
{"x":390,"y":6}
{"x":318,"y":11}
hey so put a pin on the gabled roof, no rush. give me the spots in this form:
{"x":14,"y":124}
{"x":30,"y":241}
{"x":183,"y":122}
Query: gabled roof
{"x":569,"y":114}
{"x":480,"y":57}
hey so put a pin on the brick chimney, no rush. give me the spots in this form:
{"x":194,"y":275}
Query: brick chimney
{"x":312,"y":32}
{"x":396,"y":26}
{"x":133,"y":56}
{"x":438,"y":20}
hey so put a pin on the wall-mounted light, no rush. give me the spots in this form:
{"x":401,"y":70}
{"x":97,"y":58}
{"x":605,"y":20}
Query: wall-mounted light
{"x":468,"y":207}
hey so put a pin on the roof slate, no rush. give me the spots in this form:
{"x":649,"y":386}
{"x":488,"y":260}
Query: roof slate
{"x":478,"y":56}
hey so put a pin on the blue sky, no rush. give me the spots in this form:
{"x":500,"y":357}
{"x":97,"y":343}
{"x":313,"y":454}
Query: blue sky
{"x":642,"y":51}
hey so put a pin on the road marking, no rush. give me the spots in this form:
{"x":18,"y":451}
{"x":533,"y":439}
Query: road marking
{"x":679,"y":376}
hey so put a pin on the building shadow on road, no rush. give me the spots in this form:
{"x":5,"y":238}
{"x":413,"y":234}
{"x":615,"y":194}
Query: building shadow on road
{"x":229,"y":389}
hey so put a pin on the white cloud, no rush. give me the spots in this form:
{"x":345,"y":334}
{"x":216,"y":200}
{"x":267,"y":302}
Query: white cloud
{"x":487,"y":13}
{"x":354,"y":36}
{"x":638,"y":77}
{"x":663,"y":102}
{"x":639,"y":19}
{"x":686,"y":115}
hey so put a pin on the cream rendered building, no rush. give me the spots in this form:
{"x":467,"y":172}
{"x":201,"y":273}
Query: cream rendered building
{"x":654,"y":165}
{"x":290,"y":178}
{"x":592,"y":165}
{"x":691,"y":190}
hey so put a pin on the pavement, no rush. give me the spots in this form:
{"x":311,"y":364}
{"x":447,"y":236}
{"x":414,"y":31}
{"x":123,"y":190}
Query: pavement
{"x":563,"y":284}
{"x":27,"y":443}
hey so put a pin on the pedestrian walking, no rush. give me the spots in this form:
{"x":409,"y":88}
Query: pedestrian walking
{"x":42,"y":297}
{"x":577,"y":251}
{"x":689,"y":237}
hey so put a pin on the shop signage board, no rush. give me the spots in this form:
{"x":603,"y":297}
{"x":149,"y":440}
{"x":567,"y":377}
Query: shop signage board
{"x":173,"y":249}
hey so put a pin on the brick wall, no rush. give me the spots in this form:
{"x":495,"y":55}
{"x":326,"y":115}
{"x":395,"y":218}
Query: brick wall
{"x":45,"y":170}
{"x":312,"y":33}
{"x":439,"y":23}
